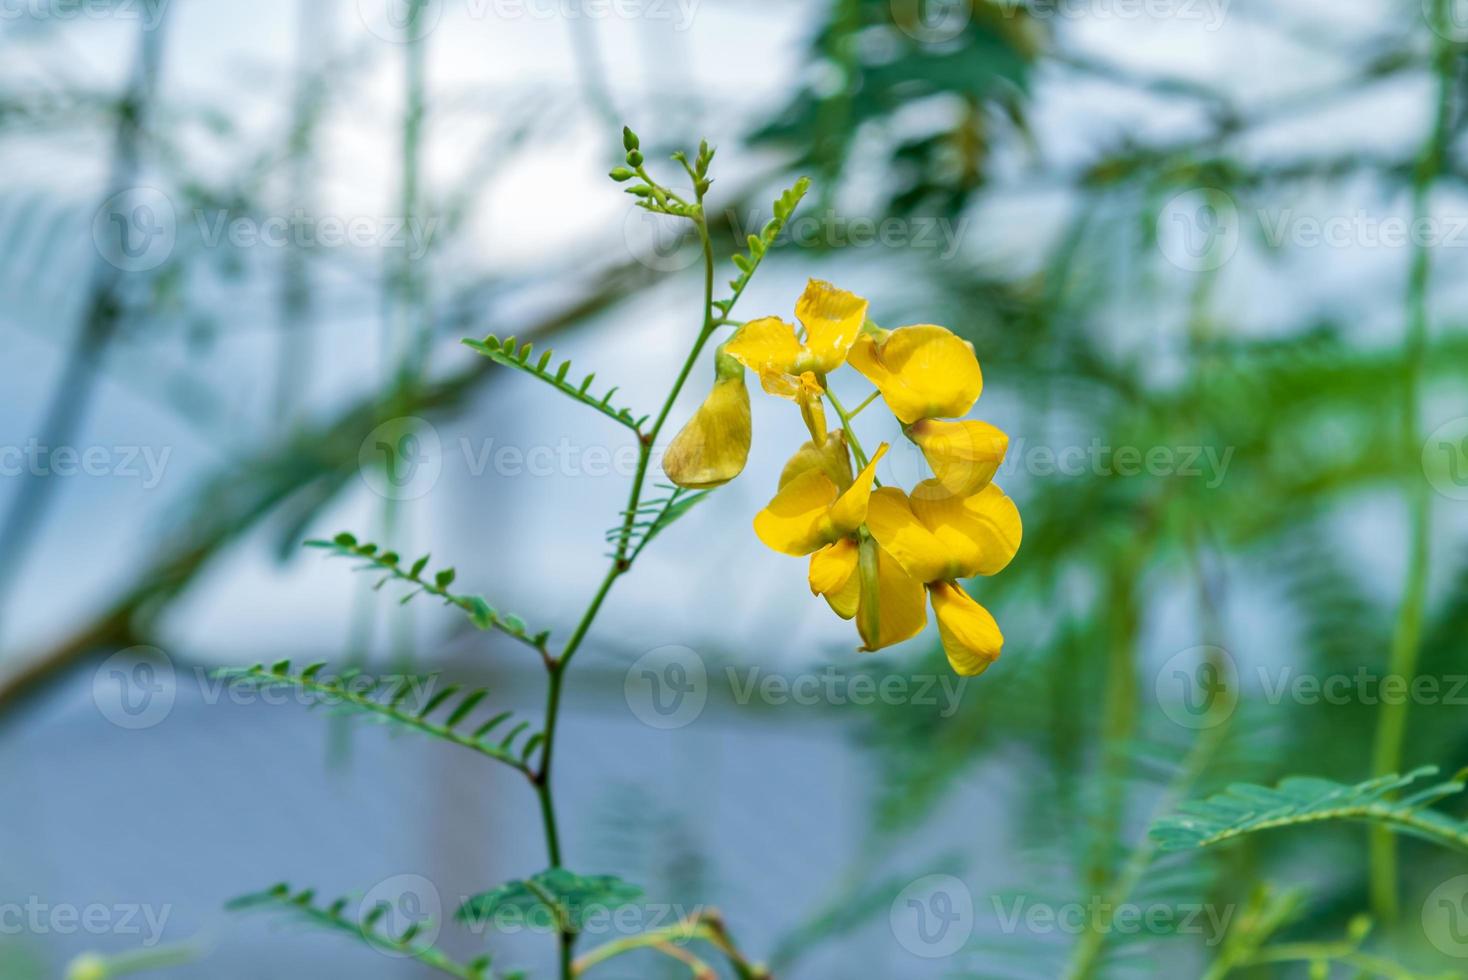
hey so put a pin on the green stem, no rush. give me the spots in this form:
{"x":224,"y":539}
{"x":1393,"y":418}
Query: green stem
{"x":851,"y":439}
{"x":620,"y":565}
{"x":1406,"y":639}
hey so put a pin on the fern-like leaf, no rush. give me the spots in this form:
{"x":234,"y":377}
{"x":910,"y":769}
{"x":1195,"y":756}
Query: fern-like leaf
{"x":1246,"y":808}
{"x":480,"y":612}
{"x":389,"y":701}
{"x":367,"y":926}
{"x":760,"y":245}
{"x":655,"y":516}
{"x":509,"y":354}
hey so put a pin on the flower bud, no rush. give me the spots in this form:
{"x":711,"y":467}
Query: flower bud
{"x":713,"y":447}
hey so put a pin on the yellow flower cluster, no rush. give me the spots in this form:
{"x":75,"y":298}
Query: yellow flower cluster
{"x":874,"y":551}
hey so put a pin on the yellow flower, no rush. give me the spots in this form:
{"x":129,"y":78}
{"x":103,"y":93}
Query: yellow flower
{"x":860,"y":580}
{"x":938,"y":537}
{"x":810,"y":511}
{"x":964,"y":455}
{"x":794,"y":368}
{"x":713,"y":447}
{"x":923,"y":372}
{"x":830,"y":457}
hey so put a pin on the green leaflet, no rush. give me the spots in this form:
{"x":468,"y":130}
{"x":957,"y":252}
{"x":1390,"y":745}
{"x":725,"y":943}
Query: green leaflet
{"x":550,"y":897}
{"x":1246,"y":808}
{"x":507,"y":353}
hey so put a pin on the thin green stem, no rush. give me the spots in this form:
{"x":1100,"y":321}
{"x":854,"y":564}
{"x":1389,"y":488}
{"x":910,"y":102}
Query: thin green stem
{"x":864,"y":403}
{"x":1406,"y":639}
{"x":620,"y":564}
{"x":851,"y":439}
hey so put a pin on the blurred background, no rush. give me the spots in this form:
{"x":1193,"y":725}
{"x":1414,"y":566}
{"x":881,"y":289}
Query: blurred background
{"x":1210,"y":254}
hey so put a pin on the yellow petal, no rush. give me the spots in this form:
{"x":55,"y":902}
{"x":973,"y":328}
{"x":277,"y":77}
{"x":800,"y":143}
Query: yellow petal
{"x":850,"y":511}
{"x":831,"y":458}
{"x":833,"y":575}
{"x":832,"y":318}
{"x":891,"y":520}
{"x":922,"y":371}
{"x":964,"y":455}
{"x":980,"y":533}
{"x":812,"y":406}
{"x":970,"y":636}
{"x":713,"y":447}
{"x":892,"y":608}
{"x":797,"y":521}
{"x":768,"y":347}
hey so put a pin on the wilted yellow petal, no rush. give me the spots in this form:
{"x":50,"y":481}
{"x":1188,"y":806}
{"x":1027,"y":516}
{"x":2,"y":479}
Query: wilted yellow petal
{"x":893,"y":610}
{"x":923,"y":371}
{"x":981,"y":533}
{"x":850,"y":511}
{"x":891,"y":520}
{"x":833,"y":575}
{"x":970,"y":636}
{"x":964,"y":455}
{"x":831,"y":458}
{"x":832,"y":318}
{"x":768,"y":347}
{"x":797,"y":522}
{"x":713,"y":447}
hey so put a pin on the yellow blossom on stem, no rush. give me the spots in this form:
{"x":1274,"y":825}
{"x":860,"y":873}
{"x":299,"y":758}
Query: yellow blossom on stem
{"x":713,"y":447}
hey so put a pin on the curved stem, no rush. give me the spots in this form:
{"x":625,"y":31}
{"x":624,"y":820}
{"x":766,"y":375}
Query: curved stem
{"x":846,"y":417}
